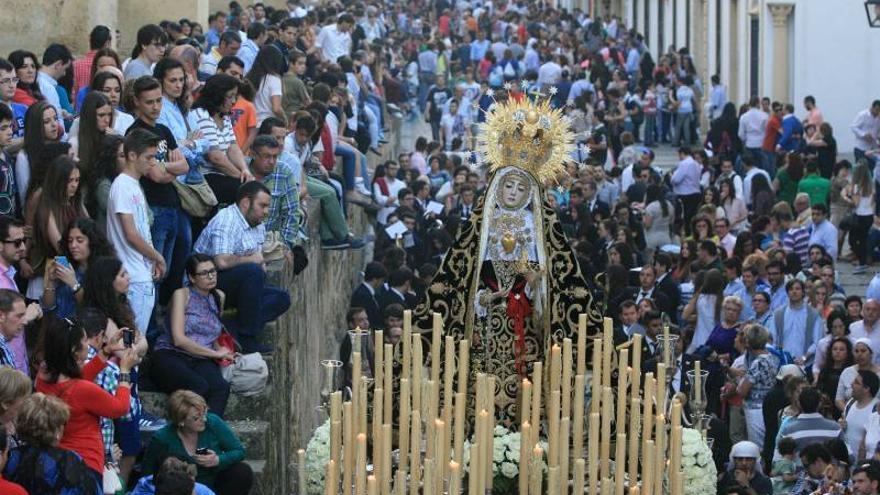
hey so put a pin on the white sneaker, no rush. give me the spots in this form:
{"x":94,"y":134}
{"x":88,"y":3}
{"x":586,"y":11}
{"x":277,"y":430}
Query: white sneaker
{"x":360,"y":187}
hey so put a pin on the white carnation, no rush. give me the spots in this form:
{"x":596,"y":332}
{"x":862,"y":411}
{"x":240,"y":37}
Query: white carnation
{"x":509,"y":469}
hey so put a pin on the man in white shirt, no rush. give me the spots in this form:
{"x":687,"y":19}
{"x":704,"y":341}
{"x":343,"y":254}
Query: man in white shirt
{"x":796,"y":327}
{"x":866,"y":128}
{"x":549,"y":73}
{"x":256,"y":37}
{"x":685,"y":97}
{"x":230,"y":43}
{"x":128,"y":224}
{"x":686,"y":185}
{"x":56,"y":62}
{"x":718,"y":98}
{"x":753,"y":127}
{"x":868,"y":327}
{"x":334,"y":40}
{"x":749,"y":161}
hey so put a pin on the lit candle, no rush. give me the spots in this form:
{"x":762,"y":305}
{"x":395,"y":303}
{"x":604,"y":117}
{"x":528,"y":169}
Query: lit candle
{"x":447,"y":385}
{"x":555,"y":367}
{"x":441,"y":453}
{"x":564,"y":453}
{"x":660,"y":388}
{"x":537,"y":456}
{"x":553,"y":480}
{"x":460,"y":411}
{"x":636,"y":376}
{"x":372,"y":486}
{"x":582,"y":345}
{"x":698,"y":383}
{"x":622,"y":381}
{"x":648,"y":416}
{"x":596,"y":379}
{"x":553,"y":430}
{"x":417,"y":364}
{"x":362,"y":406}
{"x":301,"y":470}
{"x":526,"y":404}
{"x":356,"y":373}
{"x":330,"y":483}
{"x":524,"y":461}
{"x":378,"y":359}
{"x":436,"y":335}
{"x":430,"y":478}
{"x":593,"y":449}
{"x":454,"y":478}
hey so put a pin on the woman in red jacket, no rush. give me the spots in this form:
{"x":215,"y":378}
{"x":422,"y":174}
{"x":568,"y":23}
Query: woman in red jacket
{"x":67,"y":376}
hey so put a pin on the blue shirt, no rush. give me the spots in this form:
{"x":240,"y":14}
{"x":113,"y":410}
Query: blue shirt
{"x":18,"y":111}
{"x":248,"y":53}
{"x":478,"y":50}
{"x":825,"y":235}
{"x":212,"y":39}
{"x":428,"y":61}
{"x":632,"y":60}
{"x":686,"y":178}
{"x":229,"y":233}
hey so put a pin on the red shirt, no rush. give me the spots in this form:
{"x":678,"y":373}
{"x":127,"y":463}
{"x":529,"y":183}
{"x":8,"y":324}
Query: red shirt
{"x":82,"y":71}
{"x":772,"y":133}
{"x":88,"y":403}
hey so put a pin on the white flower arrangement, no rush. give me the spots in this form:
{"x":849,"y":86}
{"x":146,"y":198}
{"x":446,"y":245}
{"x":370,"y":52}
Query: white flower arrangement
{"x":505,"y":458}
{"x":700,"y":475}
{"x":317,"y":457}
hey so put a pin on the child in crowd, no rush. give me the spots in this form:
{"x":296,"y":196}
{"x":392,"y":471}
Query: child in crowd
{"x":784,"y":472}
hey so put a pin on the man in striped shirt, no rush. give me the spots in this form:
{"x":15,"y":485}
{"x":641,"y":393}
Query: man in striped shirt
{"x":809,"y":426}
{"x":794,"y":239}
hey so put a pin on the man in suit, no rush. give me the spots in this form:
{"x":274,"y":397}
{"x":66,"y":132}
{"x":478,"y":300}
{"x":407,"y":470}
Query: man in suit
{"x":465,"y":206}
{"x":681,"y":365}
{"x":598,"y":209}
{"x":629,"y":319}
{"x":665,"y":285}
{"x":365,"y":295}
{"x":648,"y":289}
{"x":398,"y":290}
{"x":652,"y":322}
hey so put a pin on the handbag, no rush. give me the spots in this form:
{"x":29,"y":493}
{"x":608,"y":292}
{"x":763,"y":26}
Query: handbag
{"x":196,"y":199}
{"x":248,"y":375}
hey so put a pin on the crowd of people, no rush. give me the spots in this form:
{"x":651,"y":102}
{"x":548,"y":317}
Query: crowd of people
{"x":144,"y":194}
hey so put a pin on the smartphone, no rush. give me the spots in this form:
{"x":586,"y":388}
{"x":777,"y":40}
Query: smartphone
{"x":127,"y":337}
{"x":202,"y":451}
{"x":62,"y":260}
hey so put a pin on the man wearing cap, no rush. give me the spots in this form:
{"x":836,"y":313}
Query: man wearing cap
{"x":868,"y":327}
{"x":745,"y":471}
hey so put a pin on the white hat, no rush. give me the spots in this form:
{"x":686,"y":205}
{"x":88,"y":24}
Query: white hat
{"x":789,"y":370}
{"x":866,"y":341}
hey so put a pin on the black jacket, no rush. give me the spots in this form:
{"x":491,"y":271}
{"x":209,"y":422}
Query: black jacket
{"x":361,"y":297}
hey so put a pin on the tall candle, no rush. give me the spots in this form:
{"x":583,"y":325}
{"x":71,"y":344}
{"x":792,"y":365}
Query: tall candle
{"x":648,"y":469}
{"x":414,"y":452}
{"x":536,"y":401}
{"x":675,"y":443}
{"x":474,"y":466}
{"x":400,"y":483}
{"x":463,"y":366}
{"x":526,"y":403}
{"x":360,"y":484}
{"x":377,"y":426}
{"x":403,"y":424}
{"x":331,"y":484}
{"x":524,"y":459}
{"x":578,"y":479}
{"x":607,"y":349}
{"x":619,"y":463}
{"x":388,"y":385}
{"x":460,"y":413}
{"x":301,"y":470}
{"x":659,"y":452}
{"x":596,"y":380}
{"x":622,"y":383}
{"x":385,"y":480}
{"x":660,"y":388}
{"x":356,"y":373}
{"x":648,"y":416}
{"x":593,"y":449}
{"x":430,"y":478}
{"x":636,"y":376}
{"x":485,"y":449}
{"x":454,"y":478}
{"x":555,"y":367}
{"x":605,"y":447}
{"x":582,"y":345}
{"x":441,"y":454}
{"x":362,"y":406}
{"x":378,"y":359}
{"x":537,"y":461}
{"x":417,"y":364}
{"x":407,"y":343}
{"x":553,"y":480}
{"x":698,"y":384}
{"x":566,"y":378}
{"x":436,"y":335}
{"x":448,"y":396}
{"x":577,"y":420}
{"x":348,"y":435}
{"x":564,"y":453}
{"x":634,"y":424}
{"x":553,"y":430}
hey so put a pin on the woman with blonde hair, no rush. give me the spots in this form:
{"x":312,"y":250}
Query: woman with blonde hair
{"x":38,"y":464}
{"x":15,"y":386}
{"x":819,"y":298}
{"x":203,"y":438}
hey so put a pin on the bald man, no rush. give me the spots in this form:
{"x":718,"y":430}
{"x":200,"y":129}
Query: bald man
{"x":868,"y":327}
{"x":191,"y":59}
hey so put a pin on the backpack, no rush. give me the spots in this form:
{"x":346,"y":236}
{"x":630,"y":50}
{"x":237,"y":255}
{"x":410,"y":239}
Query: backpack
{"x":509,"y":70}
{"x":248,"y":375}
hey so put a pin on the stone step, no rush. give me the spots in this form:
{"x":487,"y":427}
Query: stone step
{"x":262,"y":485}
{"x":254,"y":435}
{"x":255,"y":407}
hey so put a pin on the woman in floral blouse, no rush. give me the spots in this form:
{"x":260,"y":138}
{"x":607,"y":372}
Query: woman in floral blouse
{"x":759,"y":379}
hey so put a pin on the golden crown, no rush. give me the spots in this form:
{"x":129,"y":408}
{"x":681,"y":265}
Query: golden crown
{"x":530,"y":135}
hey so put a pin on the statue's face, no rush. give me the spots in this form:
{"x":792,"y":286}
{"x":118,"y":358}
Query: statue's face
{"x":514,"y":191}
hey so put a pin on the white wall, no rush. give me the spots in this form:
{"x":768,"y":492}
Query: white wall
{"x":837,"y":60}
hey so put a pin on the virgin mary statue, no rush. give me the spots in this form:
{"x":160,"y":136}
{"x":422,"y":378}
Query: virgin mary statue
{"x":510,"y":283}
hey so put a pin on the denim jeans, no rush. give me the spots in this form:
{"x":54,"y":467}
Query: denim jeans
{"x":349,"y":163}
{"x":682,"y":135}
{"x":172,"y":237}
{"x":142,"y":298}
{"x":257,"y":302}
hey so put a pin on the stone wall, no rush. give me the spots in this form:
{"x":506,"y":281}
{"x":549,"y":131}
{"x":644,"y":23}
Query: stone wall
{"x":34,"y":24}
